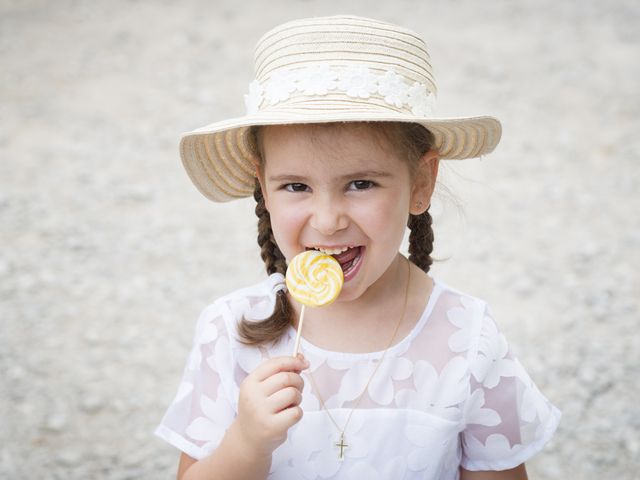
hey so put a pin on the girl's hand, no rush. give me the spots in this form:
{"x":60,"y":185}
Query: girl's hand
{"x":269,"y":401}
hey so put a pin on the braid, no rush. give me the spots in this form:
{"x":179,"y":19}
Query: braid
{"x":421,"y":240}
{"x":269,"y":250}
{"x":272,"y":328}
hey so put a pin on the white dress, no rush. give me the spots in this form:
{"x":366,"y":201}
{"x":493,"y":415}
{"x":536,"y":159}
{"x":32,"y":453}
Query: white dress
{"x":449,"y":394}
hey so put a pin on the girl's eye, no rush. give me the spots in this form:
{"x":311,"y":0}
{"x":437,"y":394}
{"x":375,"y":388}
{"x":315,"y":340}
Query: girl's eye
{"x":296,"y":187}
{"x":361,"y":185}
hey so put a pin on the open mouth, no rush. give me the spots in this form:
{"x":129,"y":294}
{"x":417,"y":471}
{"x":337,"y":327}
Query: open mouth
{"x":349,"y":258}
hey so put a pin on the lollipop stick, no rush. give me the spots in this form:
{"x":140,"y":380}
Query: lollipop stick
{"x":297,"y":344}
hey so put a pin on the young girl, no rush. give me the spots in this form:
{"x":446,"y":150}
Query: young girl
{"x":402,"y":377}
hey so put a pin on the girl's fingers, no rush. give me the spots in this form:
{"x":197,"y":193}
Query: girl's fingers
{"x":280,"y":381}
{"x":279,"y":364}
{"x":283,"y":399}
{"x":288,"y":417}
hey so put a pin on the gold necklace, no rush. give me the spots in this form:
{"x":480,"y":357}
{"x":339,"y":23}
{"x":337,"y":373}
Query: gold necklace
{"x":341,"y":444}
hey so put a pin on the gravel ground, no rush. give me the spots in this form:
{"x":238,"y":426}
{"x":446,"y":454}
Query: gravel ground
{"x":108,"y":253}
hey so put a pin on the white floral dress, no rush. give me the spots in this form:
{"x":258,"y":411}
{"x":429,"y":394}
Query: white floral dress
{"x":449,"y":394}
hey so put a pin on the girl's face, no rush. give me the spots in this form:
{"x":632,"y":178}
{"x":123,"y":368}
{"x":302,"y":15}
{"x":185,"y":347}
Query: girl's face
{"x":340,"y":190}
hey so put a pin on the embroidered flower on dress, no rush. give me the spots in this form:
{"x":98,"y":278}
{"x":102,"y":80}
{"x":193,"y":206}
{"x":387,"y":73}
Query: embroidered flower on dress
{"x":420,"y":100}
{"x":317,"y":80}
{"x":253,"y":100}
{"x":438,"y":394}
{"x":358,"y":81}
{"x":280,"y":86}
{"x":393,"y":88}
{"x":534,"y":404}
{"x":248,"y":357}
{"x":492,"y":361}
{"x":220,"y":357}
{"x":462,"y":318}
{"x":496,"y":447}
{"x":206,"y":332}
{"x":475,"y":414}
{"x":381,"y":387}
{"x":210,"y":428}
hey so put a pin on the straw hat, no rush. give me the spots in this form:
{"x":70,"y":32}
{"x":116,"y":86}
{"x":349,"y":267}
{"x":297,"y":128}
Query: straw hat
{"x":329,"y":69}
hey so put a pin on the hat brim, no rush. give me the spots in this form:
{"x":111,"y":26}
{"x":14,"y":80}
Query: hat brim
{"x":219,"y":159}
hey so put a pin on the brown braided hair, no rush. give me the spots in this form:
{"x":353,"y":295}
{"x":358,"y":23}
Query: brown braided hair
{"x":410,"y":141}
{"x":269,"y":330}
{"x":421,"y":240}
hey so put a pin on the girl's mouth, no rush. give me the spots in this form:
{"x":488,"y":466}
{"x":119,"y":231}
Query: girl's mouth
{"x":349,"y":259}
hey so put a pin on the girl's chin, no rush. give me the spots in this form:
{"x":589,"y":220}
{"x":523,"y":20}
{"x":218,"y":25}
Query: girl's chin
{"x":348,"y":295}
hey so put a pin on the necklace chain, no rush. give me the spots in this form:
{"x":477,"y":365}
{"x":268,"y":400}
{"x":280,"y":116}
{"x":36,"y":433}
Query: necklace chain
{"x":341,"y":444}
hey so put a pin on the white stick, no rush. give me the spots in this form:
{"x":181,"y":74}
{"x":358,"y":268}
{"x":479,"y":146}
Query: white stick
{"x":297,"y":344}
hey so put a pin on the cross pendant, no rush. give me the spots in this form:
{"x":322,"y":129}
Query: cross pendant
{"x":341,"y":445}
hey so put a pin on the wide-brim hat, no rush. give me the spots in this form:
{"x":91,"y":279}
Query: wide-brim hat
{"x":329,"y":69}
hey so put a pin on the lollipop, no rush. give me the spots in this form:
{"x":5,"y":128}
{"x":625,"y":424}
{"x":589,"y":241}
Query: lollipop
{"x":313,"y":279}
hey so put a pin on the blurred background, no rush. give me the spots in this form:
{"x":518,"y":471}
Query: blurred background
{"x":108,"y":253}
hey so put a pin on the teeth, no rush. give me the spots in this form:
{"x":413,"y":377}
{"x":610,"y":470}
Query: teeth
{"x":332,"y":251}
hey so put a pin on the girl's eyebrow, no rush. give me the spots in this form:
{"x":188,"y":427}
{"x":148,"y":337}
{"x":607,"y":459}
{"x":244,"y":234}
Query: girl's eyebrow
{"x":287,"y":178}
{"x":368,"y":174}
{"x":359,"y":174}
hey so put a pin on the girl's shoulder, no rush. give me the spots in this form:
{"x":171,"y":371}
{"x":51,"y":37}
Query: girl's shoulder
{"x":217,"y":339}
{"x":441,"y":288}
{"x":453,"y":305}
{"x":451,"y":318}
{"x":255,"y":302}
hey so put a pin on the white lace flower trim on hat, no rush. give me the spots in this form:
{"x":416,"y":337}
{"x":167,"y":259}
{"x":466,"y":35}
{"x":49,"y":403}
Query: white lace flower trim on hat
{"x":394,"y":89}
{"x":355,"y":82}
{"x":358,"y":82}
{"x":280,"y":86}
{"x":254,"y":98}
{"x":317,"y":80}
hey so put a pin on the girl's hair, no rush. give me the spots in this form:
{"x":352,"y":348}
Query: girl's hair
{"x":409,"y":141}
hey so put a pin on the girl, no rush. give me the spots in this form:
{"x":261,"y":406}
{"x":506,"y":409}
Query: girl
{"x":402,"y":377}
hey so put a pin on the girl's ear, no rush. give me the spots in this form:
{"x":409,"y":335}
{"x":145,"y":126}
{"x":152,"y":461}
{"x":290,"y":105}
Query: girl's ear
{"x":424,"y":182}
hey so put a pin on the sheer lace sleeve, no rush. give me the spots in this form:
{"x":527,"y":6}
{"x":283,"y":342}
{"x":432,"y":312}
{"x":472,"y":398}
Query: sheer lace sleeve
{"x":201,"y":411}
{"x":507,"y":419}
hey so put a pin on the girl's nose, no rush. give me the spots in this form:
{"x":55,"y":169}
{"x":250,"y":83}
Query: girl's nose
{"x":328,"y":217}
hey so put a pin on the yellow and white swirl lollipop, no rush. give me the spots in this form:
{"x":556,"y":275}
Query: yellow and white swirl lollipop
{"x":313,"y":279}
